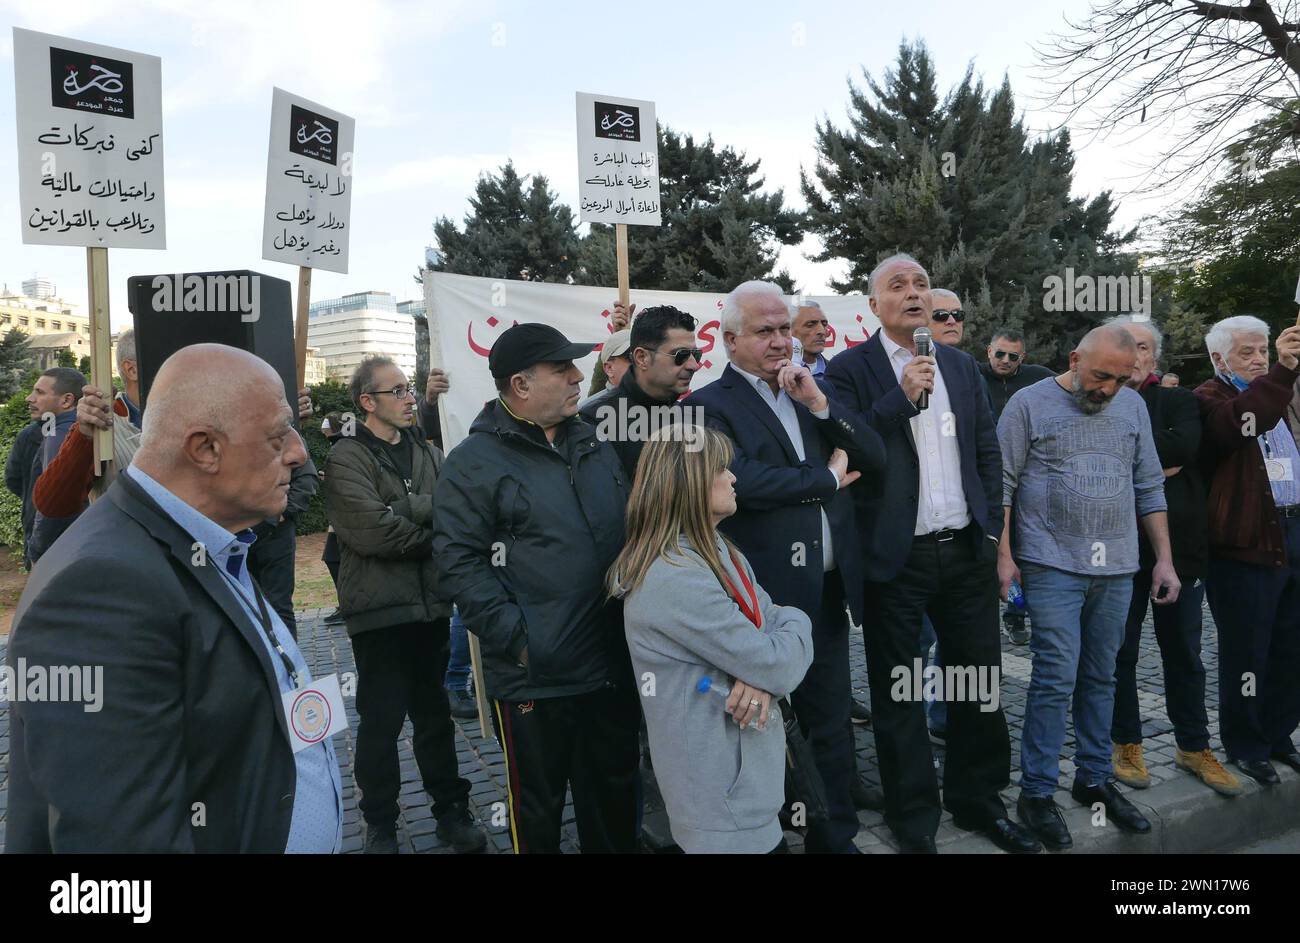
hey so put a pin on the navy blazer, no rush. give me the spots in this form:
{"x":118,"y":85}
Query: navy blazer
{"x":779,"y":498}
{"x":863,"y":379}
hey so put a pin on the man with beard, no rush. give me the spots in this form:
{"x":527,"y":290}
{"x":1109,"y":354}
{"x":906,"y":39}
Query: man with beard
{"x":1079,"y":467}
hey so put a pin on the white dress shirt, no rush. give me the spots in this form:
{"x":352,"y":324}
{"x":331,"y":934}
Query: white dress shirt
{"x":781,"y":404}
{"x":941,"y":499}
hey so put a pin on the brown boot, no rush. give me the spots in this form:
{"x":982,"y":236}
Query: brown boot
{"x":1130,"y":768}
{"x":1206,"y":767}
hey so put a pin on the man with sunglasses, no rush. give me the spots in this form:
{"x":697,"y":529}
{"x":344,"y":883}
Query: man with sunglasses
{"x":949,"y":320}
{"x":665,"y":356}
{"x":379,"y":496}
{"x":1006,"y":373}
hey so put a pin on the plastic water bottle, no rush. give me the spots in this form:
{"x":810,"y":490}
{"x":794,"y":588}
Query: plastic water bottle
{"x":708,"y":686}
{"x":1016,"y":596}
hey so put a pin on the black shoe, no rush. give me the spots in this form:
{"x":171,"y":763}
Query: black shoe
{"x":1017,"y":629}
{"x":1008,"y":835}
{"x":380,"y":841}
{"x":1118,"y":809}
{"x":463,"y":705}
{"x":334,"y":617}
{"x":1043,"y":818}
{"x":859,"y":713}
{"x":939,"y":736}
{"x":460,"y":830}
{"x":917,"y":846}
{"x":1261,"y":771}
{"x":1291,"y":759}
{"x":864,"y":797}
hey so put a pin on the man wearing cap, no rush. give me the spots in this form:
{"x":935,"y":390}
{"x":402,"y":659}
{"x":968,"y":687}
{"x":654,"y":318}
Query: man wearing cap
{"x":664,"y":359}
{"x":528,"y":516}
{"x":615,"y":359}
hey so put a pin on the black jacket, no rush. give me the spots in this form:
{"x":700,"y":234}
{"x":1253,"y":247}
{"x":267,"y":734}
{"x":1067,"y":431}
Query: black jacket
{"x":190,"y":713}
{"x":1001,"y":389}
{"x":21,"y":474}
{"x":597,"y":412}
{"x":384,"y":525}
{"x":779,"y":499}
{"x":523,"y":536}
{"x":1176,"y":427}
{"x":864,"y":382}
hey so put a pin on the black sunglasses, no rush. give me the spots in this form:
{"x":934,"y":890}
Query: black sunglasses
{"x":682,"y":354}
{"x":999,"y":354}
{"x":959,"y":315}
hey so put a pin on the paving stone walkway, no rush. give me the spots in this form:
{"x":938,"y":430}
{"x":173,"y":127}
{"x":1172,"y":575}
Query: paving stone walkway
{"x":481,"y":762}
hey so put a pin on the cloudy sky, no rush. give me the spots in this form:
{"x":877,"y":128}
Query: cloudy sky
{"x":445,"y":90}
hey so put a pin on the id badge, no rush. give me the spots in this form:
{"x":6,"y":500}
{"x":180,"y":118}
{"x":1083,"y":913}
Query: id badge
{"x":315,"y":712}
{"x":1279,"y":469}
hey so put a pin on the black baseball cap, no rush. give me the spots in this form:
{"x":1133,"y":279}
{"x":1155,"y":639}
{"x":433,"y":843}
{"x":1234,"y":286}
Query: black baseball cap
{"x":523,"y":345}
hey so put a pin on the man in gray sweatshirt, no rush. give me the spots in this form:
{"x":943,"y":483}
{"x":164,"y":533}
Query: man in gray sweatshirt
{"x":1079,"y":469}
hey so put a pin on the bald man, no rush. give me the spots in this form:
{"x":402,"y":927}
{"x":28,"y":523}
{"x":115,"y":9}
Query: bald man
{"x":176,"y":738}
{"x":1079,"y":469}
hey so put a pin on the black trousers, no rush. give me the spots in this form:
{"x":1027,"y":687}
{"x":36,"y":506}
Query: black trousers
{"x":821,"y":704}
{"x":1178,"y":633}
{"x":586,"y":742}
{"x":270,"y":562}
{"x":1257,"y":612}
{"x":955,"y":583}
{"x":399,"y":674}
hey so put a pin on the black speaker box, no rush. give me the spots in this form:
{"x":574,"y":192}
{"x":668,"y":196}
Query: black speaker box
{"x":243,"y":309}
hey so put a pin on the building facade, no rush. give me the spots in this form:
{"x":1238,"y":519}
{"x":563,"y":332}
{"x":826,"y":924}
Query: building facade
{"x":347,"y":330}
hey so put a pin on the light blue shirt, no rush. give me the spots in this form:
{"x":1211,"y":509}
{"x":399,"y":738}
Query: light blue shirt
{"x":781,"y":404}
{"x":1279,"y":443}
{"x":317,"y":823}
{"x":817,"y":367}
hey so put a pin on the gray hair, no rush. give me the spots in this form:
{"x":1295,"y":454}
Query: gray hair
{"x":126,"y":348}
{"x":1127,"y":319}
{"x":809,"y":303}
{"x":732,"y":316}
{"x":1219,"y":340}
{"x":884,"y":264}
{"x":364,"y":376}
{"x":936,"y":292}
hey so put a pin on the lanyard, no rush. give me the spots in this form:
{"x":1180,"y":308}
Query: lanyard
{"x":751,"y":610}
{"x":265,"y":618}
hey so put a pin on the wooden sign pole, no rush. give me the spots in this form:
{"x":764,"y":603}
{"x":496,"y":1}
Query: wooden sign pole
{"x":300,"y":327}
{"x":620,"y":251}
{"x":101,"y":347}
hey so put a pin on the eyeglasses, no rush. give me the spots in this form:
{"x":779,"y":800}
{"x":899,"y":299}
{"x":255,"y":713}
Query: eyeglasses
{"x":999,"y":354}
{"x":400,"y":392}
{"x":682,"y":354}
{"x":959,"y":315}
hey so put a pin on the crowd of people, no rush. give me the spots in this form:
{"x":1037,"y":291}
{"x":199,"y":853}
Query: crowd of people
{"x":681,"y":598}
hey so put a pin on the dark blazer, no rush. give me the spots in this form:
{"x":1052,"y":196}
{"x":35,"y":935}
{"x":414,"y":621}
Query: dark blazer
{"x":779,"y":498}
{"x":864,"y":381}
{"x":190,"y":707}
{"x":1176,"y":428}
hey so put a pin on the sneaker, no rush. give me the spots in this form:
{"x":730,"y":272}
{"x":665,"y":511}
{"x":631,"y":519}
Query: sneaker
{"x":461,"y":830}
{"x":1129,"y":766}
{"x":380,"y":841}
{"x":1206,"y":767}
{"x":859,"y":713}
{"x":463,"y":705}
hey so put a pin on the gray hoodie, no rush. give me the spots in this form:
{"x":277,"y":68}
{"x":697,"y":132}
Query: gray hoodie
{"x":722,"y":786}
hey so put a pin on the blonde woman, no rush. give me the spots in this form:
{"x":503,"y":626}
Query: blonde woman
{"x":693,"y":611}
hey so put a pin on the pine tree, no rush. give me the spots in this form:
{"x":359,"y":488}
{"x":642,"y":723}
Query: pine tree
{"x":959,"y":185}
{"x":510,"y":232}
{"x":718,"y":229}
{"x":15,"y":360}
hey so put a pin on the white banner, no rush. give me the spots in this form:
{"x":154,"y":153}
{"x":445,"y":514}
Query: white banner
{"x":467,"y":314}
{"x":618,"y":161}
{"x":308,"y":215}
{"x":90,"y":144}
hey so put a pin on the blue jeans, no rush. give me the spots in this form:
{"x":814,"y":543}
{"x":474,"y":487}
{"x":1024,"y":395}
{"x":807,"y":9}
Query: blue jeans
{"x":457,"y":677}
{"x":1078,"y":629}
{"x":936,"y":711}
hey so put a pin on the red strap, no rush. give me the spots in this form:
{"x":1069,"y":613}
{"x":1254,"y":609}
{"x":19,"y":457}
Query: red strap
{"x":751,"y":610}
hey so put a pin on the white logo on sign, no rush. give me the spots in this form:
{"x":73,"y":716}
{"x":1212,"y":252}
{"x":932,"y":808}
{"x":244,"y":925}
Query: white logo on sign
{"x":624,"y":120}
{"x":321,"y":134}
{"x":106,"y":81}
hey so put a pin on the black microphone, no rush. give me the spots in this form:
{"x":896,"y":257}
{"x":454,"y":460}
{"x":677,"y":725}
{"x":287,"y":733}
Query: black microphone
{"x":924,"y":341}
